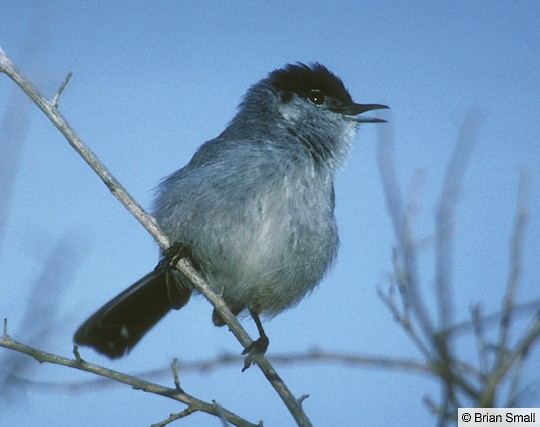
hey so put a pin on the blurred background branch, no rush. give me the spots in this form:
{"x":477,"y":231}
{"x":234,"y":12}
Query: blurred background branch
{"x":499,"y":363}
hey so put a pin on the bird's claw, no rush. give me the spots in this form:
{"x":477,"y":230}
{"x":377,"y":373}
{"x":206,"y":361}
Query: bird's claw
{"x":173,"y":254}
{"x":255,"y":350}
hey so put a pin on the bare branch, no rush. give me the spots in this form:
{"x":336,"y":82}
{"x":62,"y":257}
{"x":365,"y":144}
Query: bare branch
{"x":137,"y":383}
{"x":51,"y":111}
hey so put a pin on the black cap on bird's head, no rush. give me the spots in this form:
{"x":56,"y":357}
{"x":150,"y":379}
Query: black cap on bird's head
{"x":321,"y":87}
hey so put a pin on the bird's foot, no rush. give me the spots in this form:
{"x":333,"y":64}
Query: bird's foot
{"x":173,"y":254}
{"x":255,"y":350}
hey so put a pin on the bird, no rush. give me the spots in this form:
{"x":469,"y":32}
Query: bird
{"x":253,"y":209}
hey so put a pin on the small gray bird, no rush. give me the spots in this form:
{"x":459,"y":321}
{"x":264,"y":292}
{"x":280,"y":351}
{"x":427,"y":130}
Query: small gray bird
{"x":253,"y":209}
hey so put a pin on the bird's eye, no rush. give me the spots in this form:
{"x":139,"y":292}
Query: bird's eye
{"x":317,"y":97}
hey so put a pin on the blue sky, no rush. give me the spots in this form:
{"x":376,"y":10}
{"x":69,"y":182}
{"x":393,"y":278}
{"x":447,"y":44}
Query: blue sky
{"x":153,"y":80}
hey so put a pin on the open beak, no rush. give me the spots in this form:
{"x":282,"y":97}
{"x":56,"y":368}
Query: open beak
{"x":356,"y":109}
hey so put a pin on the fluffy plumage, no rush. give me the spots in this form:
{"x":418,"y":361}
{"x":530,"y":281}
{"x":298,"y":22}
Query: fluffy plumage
{"x":255,"y":207}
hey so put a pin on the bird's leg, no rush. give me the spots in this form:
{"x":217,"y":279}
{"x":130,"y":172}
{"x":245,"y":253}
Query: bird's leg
{"x":258,"y":347}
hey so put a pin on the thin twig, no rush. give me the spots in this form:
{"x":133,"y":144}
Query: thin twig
{"x":405,"y":324}
{"x":515,"y":266}
{"x":513,"y":393}
{"x":175,"y":375}
{"x":61,"y":89}
{"x":174,"y":417}
{"x":490,"y":320}
{"x":479,"y":334}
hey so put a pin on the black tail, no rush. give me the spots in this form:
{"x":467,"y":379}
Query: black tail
{"x":120,"y":324}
